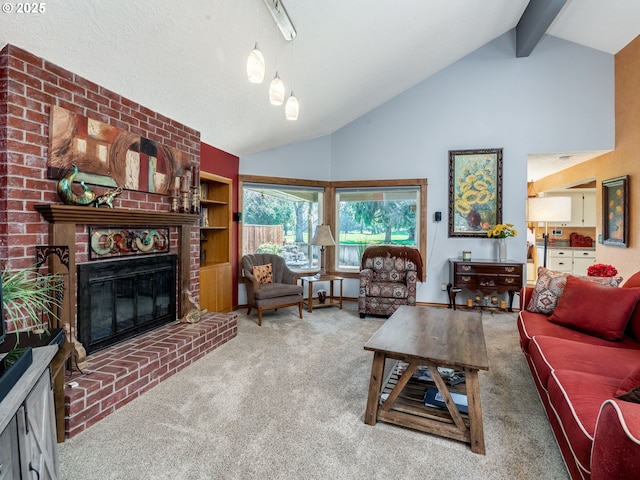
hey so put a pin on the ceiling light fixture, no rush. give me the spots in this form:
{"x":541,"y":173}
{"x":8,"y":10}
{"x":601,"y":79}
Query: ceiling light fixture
{"x":255,"y":65}
{"x":281,"y":17}
{"x":292,"y":107}
{"x":276,"y":91}
{"x":255,"y":61}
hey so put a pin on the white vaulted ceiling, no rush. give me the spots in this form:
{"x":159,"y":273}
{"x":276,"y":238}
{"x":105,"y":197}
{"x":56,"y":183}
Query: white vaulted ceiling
{"x":186,"y":59}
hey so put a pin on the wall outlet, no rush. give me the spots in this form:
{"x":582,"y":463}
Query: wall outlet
{"x":443,"y":287}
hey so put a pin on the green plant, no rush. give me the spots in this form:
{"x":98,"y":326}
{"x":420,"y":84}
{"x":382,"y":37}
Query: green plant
{"x":269,"y":248}
{"x":28,"y":296}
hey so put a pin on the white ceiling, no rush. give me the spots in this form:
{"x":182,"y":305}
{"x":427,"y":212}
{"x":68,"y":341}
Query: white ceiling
{"x":187,"y":59}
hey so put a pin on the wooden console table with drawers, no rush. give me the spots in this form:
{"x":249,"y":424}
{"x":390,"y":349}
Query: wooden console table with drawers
{"x":484,"y":276}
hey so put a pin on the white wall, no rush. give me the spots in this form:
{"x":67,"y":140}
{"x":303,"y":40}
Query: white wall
{"x":559,"y":99}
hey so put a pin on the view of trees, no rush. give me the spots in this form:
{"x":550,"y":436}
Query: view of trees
{"x":376,"y":217}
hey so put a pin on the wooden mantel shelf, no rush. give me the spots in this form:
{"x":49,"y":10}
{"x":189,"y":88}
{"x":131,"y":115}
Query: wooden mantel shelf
{"x":57,"y":213}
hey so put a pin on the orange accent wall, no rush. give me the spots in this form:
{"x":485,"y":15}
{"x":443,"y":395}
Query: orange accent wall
{"x":214,"y":160}
{"x":624,"y":160}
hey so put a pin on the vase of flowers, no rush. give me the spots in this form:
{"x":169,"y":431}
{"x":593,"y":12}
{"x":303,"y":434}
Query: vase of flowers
{"x":601,"y":270}
{"x":502,"y":231}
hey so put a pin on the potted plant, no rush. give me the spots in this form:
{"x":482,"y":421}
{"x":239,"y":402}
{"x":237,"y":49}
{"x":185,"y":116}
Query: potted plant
{"x":26,"y":297}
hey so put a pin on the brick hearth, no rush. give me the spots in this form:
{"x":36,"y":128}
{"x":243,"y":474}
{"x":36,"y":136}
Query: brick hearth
{"x":125,"y":371}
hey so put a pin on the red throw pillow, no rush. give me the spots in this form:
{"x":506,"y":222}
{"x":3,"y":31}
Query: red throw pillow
{"x":595,"y":309}
{"x":629,"y":388}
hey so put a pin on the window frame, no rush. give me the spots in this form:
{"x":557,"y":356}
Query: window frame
{"x":329,"y":206}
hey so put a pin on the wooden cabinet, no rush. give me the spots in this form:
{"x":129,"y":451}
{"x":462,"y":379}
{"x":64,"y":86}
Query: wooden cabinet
{"x":484,"y":276}
{"x":215,"y":242}
{"x":28,"y":447}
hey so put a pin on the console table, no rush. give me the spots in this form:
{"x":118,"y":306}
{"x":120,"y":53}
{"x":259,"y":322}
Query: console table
{"x":484,"y":276}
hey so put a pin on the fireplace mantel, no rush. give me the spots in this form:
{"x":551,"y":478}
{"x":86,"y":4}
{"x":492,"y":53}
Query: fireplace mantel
{"x":56,"y":213}
{"x":62,"y":230}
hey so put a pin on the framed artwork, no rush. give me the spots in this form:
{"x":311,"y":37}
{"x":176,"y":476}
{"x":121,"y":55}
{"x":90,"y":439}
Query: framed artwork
{"x":475,"y":191}
{"x":615,"y":212}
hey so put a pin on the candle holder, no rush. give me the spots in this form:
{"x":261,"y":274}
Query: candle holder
{"x":184,"y":201}
{"x":195,"y":199}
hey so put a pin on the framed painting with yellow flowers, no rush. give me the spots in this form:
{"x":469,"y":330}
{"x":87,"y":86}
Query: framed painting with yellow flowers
{"x":615,"y":212}
{"x":475,"y":191}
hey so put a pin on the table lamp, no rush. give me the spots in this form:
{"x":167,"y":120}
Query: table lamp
{"x":323,"y":238}
{"x":548,"y":209}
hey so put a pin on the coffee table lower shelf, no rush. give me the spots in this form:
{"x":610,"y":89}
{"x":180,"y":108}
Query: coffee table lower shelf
{"x":410,"y":411}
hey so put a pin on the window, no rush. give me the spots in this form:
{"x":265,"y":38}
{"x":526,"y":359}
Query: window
{"x":281,"y":219}
{"x":370,"y":215}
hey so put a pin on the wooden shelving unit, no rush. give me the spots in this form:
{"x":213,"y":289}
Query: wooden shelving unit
{"x":215,"y":242}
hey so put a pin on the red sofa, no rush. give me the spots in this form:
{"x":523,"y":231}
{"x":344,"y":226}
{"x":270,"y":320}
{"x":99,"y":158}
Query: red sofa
{"x":581,"y":378}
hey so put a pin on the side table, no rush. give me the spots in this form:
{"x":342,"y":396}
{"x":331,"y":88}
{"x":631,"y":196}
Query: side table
{"x":331,"y":300}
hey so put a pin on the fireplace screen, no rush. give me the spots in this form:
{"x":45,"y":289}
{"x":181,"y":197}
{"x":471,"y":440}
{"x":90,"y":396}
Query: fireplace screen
{"x":118,"y":299}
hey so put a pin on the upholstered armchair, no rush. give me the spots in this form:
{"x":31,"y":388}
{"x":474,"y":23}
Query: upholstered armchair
{"x":270,"y":283}
{"x":388,"y":277}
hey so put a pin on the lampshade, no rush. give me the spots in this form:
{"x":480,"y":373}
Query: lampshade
{"x":255,"y":65}
{"x":276,"y":91}
{"x":323,"y":236}
{"x":291,"y":108}
{"x":549,"y":209}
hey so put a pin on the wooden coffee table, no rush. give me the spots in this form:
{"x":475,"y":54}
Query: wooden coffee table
{"x":432,"y":337}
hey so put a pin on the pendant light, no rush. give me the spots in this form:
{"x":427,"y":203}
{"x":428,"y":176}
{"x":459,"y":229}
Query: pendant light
{"x":255,"y":61}
{"x":276,"y":91}
{"x":292,"y":107}
{"x":255,"y":65}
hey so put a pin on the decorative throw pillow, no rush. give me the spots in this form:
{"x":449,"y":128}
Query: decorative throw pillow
{"x":595,"y":309}
{"x":629,"y":388}
{"x":550,"y":285}
{"x":264,"y":273}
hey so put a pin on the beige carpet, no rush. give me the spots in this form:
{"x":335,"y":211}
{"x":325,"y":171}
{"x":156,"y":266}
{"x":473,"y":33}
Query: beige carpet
{"x":286,"y":401}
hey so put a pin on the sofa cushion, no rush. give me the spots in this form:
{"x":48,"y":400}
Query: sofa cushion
{"x":576,"y":398}
{"x":549,"y":353}
{"x":263,"y":273}
{"x":629,"y":388}
{"x":392,"y":275}
{"x":550,"y":285}
{"x":595,"y":309}
{"x":387,"y":290}
{"x":536,"y":324}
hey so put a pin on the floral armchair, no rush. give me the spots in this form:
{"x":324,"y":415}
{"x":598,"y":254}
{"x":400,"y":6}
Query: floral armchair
{"x":388,"y":277}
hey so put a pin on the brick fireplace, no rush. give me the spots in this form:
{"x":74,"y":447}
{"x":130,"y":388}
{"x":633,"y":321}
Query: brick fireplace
{"x":31,"y":214}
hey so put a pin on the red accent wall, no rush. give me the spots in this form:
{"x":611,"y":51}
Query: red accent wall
{"x":213,"y":160}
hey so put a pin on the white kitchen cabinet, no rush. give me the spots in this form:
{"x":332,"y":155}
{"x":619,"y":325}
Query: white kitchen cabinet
{"x":583,"y":208}
{"x":582,"y":259}
{"x":574,"y":261}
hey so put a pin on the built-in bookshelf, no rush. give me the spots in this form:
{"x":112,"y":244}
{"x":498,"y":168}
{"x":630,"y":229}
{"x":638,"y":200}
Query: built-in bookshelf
{"x":215,"y":242}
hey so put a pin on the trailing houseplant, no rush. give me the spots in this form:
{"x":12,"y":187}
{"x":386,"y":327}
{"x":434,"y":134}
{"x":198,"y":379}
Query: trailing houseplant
{"x":29,"y":296}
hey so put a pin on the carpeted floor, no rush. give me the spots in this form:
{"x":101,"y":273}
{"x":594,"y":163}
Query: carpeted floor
{"x":286,"y":401}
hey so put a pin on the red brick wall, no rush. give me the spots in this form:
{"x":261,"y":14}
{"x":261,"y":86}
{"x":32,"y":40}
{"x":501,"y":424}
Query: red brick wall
{"x":29,"y":85}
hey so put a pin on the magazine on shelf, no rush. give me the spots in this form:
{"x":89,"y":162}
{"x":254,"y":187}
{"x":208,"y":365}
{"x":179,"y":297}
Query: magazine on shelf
{"x":433,"y":398}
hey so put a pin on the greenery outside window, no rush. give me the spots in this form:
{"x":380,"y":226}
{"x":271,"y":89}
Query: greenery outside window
{"x":369,"y":215}
{"x":281,"y":219}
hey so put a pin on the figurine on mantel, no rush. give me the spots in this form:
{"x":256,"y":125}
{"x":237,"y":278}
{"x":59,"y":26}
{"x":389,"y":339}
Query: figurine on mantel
{"x":88,"y":196}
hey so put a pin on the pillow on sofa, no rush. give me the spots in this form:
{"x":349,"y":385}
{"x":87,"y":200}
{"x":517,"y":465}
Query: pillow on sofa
{"x":596,"y":309}
{"x":629,"y":388}
{"x":550,"y":285}
{"x":264,"y":273}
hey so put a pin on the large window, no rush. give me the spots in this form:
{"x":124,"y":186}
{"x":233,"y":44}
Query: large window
{"x":281,"y":219}
{"x":374,"y":215}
